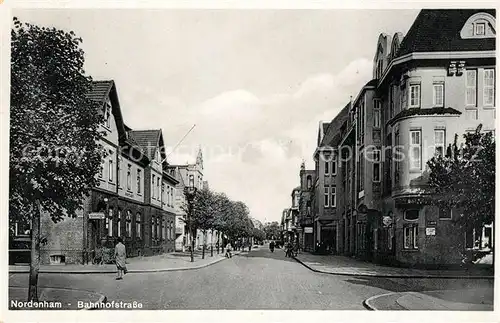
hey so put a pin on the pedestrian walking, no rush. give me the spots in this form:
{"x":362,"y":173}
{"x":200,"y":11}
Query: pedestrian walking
{"x":228,"y":250}
{"x":120,"y":257}
{"x":271,"y":246}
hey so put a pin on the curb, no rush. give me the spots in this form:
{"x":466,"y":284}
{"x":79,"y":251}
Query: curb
{"x":132,"y":271}
{"x":392,"y":275}
{"x":367,"y":303}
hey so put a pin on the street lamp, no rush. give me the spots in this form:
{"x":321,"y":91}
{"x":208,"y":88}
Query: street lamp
{"x":190,"y":192}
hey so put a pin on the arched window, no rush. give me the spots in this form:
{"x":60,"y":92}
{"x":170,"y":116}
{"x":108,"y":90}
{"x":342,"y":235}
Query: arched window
{"x":138,"y":225}
{"x":128,"y":224}
{"x":109,"y":222}
{"x":118,"y":223}
{"x":412,"y":214}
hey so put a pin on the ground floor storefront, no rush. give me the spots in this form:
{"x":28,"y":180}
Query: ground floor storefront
{"x":405,"y":232}
{"x":91,"y":236}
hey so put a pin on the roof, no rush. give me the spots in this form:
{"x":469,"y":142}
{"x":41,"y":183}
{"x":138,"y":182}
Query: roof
{"x":438,"y":30}
{"x":335,"y":125}
{"x":100,"y":90}
{"x":325,"y":127}
{"x":147,"y":140}
{"x":424,"y":112}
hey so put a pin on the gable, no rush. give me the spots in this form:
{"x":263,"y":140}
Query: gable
{"x":479,"y":25}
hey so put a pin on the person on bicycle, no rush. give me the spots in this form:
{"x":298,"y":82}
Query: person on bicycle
{"x":228,"y":250}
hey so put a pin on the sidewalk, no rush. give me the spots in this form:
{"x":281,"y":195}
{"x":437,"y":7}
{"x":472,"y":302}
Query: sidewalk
{"x":166,"y":262}
{"x":478,"y":299}
{"x":54,"y":299}
{"x":340,"y":265}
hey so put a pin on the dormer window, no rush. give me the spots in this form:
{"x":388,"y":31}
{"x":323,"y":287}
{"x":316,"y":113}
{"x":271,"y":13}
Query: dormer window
{"x":479,"y":25}
{"x":480,"y":29}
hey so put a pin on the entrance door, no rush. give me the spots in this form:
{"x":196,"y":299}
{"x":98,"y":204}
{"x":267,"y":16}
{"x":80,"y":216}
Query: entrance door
{"x":93,"y":238}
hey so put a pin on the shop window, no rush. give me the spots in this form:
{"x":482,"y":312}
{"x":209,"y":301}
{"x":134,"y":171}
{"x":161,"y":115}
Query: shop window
{"x":128,"y":224}
{"x":109,"y":222}
{"x":445,"y":214}
{"x":118,"y":223}
{"x":410,"y":233}
{"x":138,"y":225}
{"x":411,"y":215}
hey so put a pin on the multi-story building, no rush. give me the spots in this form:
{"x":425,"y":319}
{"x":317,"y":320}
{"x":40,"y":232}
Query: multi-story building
{"x":190,"y":175}
{"x":305,"y":216}
{"x":128,"y":202}
{"x":427,"y":86}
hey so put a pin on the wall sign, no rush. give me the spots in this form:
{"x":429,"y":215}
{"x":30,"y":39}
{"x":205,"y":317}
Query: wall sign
{"x":308,"y":230}
{"x":387,"y":220}
{"x":96,"y":215}
{"x":430,"y":231}
{"x":431,"y":223}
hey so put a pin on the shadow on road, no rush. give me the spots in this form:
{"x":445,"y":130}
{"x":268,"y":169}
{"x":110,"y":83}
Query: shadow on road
{"x":278,"y":254}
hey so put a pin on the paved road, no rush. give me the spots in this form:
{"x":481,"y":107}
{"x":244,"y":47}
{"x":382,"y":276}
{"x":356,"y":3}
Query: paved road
{"x":259,"y":280}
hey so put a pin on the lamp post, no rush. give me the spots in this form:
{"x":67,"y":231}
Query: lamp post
{"x":190,"y":192}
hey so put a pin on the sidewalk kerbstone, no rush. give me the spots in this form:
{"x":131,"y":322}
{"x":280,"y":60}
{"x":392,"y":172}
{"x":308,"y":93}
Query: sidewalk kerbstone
{"x":160,"y":264}
{"x":351,"y":267}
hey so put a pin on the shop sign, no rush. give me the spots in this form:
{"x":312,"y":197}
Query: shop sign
{"x":431,"y":223}
{"x":96,"y":215}
{"x":430,"y":231}
{"x":308,"y":230}
{"x":410,"y":200}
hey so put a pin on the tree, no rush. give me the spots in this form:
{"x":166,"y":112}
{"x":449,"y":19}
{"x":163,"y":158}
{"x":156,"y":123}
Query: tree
{"x":272,"y":230}
{"x":464,"y":179}
{"x":203,"y":213}
{"x":54,"y":131}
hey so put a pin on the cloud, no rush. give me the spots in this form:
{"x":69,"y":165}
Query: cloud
{"x":253,"y":146}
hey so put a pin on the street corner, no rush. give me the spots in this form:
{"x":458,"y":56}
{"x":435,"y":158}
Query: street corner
{"x":51,"y":298}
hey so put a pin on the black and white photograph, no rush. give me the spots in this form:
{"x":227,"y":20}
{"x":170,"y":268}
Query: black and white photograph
{"x":333,"y":159}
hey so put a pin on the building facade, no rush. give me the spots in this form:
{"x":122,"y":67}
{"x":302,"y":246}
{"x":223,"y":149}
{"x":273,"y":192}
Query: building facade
{"x":126,"y":203}
{"x":427,"y":86}
{"x":190,"y":175}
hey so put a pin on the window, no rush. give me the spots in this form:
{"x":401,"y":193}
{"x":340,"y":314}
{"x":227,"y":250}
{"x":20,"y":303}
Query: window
{"x":101,"y":171}
{"x":327,"y":167}
{"x":128,"y":224}
{"x":411,"y":215}
{"x":376,"y":166}
{"x":480,"y":29}
{"x":153,"y":186}
{"x":158,"y":187}
{"x":439,"y":142}
{"x":309,"y":182}
{"x":110,"y":170}
{"x":438,"y":94}
{"x":471,"y":86}
{"x":397,"y":160}
{"x":415,"y":150}
{"x":109,"y":222}
{"x":334,"y":196}
{"x":334,"y":167}
{"x":164,"y":230}
{"x":327,"y":196}
{"x":375,"y":239}
{"x":361,"y":172}
{"x":107,"y":115}
{"x":118,"y":171}
{"x":158,"y":232}
{"x":118,"y":223}
{"x":172,"y":190}
{"x":392,"y":101}
{"x":489,"y":87}
{"x":129,"y":177}
{"x":22,"y":228}
{"x":410,"y":233}
{"x":403,"y":97}
{"x":415,"y":96}
{"x":445,"y":214}
{"x":138,"y":225}
{"x":153,"y":228}
{"x":376,"y":114}
{"x":139,"y":181}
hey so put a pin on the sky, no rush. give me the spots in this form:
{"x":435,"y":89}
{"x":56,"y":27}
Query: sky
{"x":255,"y":83}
